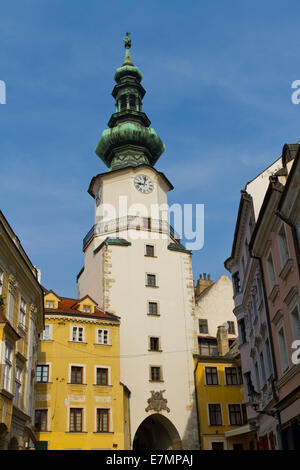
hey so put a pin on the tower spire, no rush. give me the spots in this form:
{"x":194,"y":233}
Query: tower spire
{"x":129,"y":141}
{"x":127,"y":44}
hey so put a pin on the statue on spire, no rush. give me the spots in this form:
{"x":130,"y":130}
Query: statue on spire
{"x":127,"y":41}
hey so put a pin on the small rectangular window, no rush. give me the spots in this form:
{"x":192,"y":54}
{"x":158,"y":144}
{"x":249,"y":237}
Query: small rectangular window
{"x":40,"y":420}
{"x":76,"y":375}
{"x":76,"y":420}
{"x":271,"y":271}
{"x":203,"y":326}
{"x":87,"y":308}
{"x":283,"y":246}
{"x":236,"y":283}
{"x":150,"y":250}
{"x":242,"y":331}
{"x":22,"y":313}
{"x":102,"y":336}
{"x":42,"y":373}
{"x":231,"y":328}
{"x":155,"y":374}
{"x":215,"y":414}
{"x":151,"y":280}
{"x":232,"y":377}
{"x":46,"y":333}
{"x":235,"y":415}
{"x":77,"y":333}
{"x":49,"y":304}
{"x":211,"y":374}
{"x":102,"y":420}
{"x":152,"y":308}
{"x":154,"y":344}
{"x":102,"y":376}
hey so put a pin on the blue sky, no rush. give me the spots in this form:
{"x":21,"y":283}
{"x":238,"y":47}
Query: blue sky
{"x":218,"y":78}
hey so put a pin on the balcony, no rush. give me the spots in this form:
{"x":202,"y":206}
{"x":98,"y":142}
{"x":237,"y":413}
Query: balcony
{"x":131,"y":222}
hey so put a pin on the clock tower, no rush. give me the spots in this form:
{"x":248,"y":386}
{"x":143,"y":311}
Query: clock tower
{"x":136,"y":267}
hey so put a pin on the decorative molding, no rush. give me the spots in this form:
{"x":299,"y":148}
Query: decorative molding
{"x":292,"y":292}
{"x":288,"y":267}
{"x":274,"y":293}
{"x":278,"y":316}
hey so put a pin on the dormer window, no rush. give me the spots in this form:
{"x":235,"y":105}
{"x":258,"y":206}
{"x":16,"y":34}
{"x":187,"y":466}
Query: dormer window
{"x":87,"y":308}
{"x":49,"y":304}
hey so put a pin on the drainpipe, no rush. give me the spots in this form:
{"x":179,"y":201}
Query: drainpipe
{"x":197,"y":408}
{"x":271,"y":344}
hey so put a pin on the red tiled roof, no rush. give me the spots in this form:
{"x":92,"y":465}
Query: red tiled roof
{"x":68,"y":306}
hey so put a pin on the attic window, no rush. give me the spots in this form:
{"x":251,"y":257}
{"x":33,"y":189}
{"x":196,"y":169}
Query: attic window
{"x":49,"y":304}
{"x":87,"y":308}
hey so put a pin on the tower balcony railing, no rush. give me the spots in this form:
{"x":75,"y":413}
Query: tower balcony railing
{"x":131,"y":222}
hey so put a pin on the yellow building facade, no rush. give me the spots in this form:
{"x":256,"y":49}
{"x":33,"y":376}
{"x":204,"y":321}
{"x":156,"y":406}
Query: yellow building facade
{"x":220,"y":399}
{"x":80,"y":402}
{"x":21,"y":322}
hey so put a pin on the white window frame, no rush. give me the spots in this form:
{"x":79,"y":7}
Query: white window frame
{"x":108,"y":374}
{"x":48,"y":422}
{"x":48,"y":302}
{"x":271,"y":275}
{"x":295,"y":324}
{"x":8,"y":366}
{"x":283,"y":350}
{"x":83,"y":375}
{"x":77,"y":334}
{"x":157,"y":308}
{"x":49,"y":371}
{"x":18,"y":386}
{"x":83,"y":417}
{"x":98,"y":336}
{"x":48,"y":336}
{"x":218,"y":376}
{"x":110,"y":414}
{"x":283,"y":245}
{"x":11,"y":308}
{"x":208,"y":415}
{"x":22,"y":312}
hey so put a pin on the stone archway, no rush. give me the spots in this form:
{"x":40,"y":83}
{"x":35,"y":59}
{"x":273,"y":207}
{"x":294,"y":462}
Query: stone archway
{"x":156,"y":433}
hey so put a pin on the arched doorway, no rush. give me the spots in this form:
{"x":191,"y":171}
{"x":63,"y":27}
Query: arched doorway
{"x":156,"y":433}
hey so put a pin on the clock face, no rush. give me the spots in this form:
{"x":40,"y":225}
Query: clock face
{"x":98,"y":195}
{"x":143,"y":184}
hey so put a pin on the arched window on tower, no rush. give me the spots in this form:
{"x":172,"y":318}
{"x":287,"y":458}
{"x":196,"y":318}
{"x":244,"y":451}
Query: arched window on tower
{"x":132,"y":102}
{"x":123,"y":103}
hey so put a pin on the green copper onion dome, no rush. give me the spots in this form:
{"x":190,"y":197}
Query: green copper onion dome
{"x":129,"y":141}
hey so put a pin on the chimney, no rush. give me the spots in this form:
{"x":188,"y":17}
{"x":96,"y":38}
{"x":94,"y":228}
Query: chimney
{"x":202,"y":283}
{"x":222,"y":340}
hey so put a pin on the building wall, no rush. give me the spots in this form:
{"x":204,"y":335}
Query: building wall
{"x":216,"y":305}
{"x":58,"y":395}
{"x":216,"y":394}
{"x":122,"y":289}
{"x":19,"y":329}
